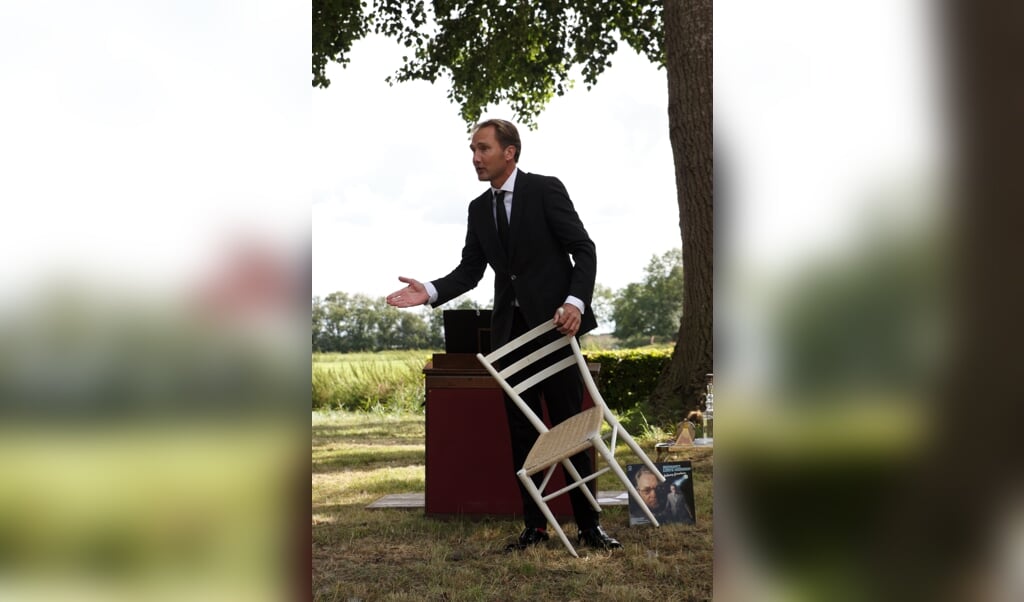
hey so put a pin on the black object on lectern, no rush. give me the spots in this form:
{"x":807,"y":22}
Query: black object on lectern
{"x":467,"y":330}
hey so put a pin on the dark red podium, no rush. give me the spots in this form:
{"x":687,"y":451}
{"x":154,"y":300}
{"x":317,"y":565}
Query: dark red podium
{"x":469,"y":468}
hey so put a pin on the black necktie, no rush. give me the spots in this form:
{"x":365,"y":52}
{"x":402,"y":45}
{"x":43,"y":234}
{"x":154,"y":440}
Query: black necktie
{"x":502,"y":218}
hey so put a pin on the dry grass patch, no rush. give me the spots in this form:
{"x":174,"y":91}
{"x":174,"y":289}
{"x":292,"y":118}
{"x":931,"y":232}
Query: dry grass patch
{"x":396,"y":555}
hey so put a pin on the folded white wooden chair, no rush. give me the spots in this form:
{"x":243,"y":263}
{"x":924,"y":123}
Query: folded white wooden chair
{"x":555,"y":446}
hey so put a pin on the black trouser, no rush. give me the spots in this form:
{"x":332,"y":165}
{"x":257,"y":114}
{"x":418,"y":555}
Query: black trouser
{"x":563,"y":394}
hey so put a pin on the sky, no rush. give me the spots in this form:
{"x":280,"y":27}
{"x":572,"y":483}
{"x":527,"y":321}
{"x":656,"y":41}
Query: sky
{"x":820,"y":108}
{"x":138,"y":140}
{"x":141,"y":138}
{"x":393,"y":175}
{"x":810,"y":123}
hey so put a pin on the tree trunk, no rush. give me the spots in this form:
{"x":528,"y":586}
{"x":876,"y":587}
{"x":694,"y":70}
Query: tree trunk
{"x":981,"y":373}
{"x":688,"y":43}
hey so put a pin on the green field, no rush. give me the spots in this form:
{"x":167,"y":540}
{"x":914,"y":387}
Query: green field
{"x":390,"y":380}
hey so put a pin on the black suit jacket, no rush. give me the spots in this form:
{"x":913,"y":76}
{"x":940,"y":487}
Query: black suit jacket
{"x":544,"y":233}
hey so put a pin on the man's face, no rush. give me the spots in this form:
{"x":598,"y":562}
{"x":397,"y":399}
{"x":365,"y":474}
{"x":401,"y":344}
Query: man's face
{"x":647,"y":485}
{"x":489,"y":160}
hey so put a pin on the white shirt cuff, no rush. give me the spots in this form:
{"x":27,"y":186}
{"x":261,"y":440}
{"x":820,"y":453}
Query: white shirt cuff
{"x":576,"y":302}
{"x":432,"y":291}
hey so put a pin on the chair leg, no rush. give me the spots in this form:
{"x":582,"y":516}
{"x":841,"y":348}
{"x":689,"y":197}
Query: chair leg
{"x":535,"y":494}
{"x":586,"y":490}
{"x":614,"y":465}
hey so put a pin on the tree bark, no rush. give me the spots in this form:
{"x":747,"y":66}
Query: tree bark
{"x":688,"y":58}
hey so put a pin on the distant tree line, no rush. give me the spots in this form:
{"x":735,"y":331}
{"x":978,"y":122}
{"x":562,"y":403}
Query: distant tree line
{"x":349,"y":323}
{"x":643,"y":313}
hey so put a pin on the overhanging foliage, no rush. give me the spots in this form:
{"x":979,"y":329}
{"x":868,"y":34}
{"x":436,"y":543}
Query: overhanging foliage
{"x":493,"y":51}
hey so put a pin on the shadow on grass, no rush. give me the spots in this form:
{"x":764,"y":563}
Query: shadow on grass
{"x":402,"y":482}
{"x":402,"y":428}
{"x":368,"y":486}
{"x":346,"y":458}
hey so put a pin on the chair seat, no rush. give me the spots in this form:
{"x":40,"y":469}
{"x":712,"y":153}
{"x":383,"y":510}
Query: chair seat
{"x":565,"y":439}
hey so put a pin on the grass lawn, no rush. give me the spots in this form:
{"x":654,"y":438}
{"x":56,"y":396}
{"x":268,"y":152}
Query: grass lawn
{"x":361,"y":554}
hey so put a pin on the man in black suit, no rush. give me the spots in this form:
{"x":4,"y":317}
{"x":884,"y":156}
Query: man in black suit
{"x":526,"y":228}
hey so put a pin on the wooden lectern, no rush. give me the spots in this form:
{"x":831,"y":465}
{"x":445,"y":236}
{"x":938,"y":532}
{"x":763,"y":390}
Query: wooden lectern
{"x":469,"y":468}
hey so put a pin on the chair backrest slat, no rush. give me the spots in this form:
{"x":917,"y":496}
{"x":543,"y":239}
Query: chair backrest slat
{"x":546,"y":372}
{"x":533,"y":357}
{"x":514,"y":391}
{"x":518,"y":342}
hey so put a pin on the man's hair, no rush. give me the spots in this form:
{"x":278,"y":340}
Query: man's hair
{"x":505,"y":132}
{"x":643,"y":470}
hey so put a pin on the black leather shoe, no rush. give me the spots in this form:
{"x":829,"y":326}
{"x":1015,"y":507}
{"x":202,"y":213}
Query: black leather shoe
{"x":529,"y":537}
{"x":596,"y":538}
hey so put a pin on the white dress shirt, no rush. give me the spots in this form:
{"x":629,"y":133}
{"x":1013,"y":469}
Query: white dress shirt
{"x":508,"y":186}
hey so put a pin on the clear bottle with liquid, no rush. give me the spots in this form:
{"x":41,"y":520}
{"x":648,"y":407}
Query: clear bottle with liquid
{"x":708,"y":414}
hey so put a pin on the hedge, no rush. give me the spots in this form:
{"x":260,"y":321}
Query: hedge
{"x":628,"y":376}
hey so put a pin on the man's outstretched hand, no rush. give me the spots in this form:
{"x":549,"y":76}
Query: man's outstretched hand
{"x":412,"y":295}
